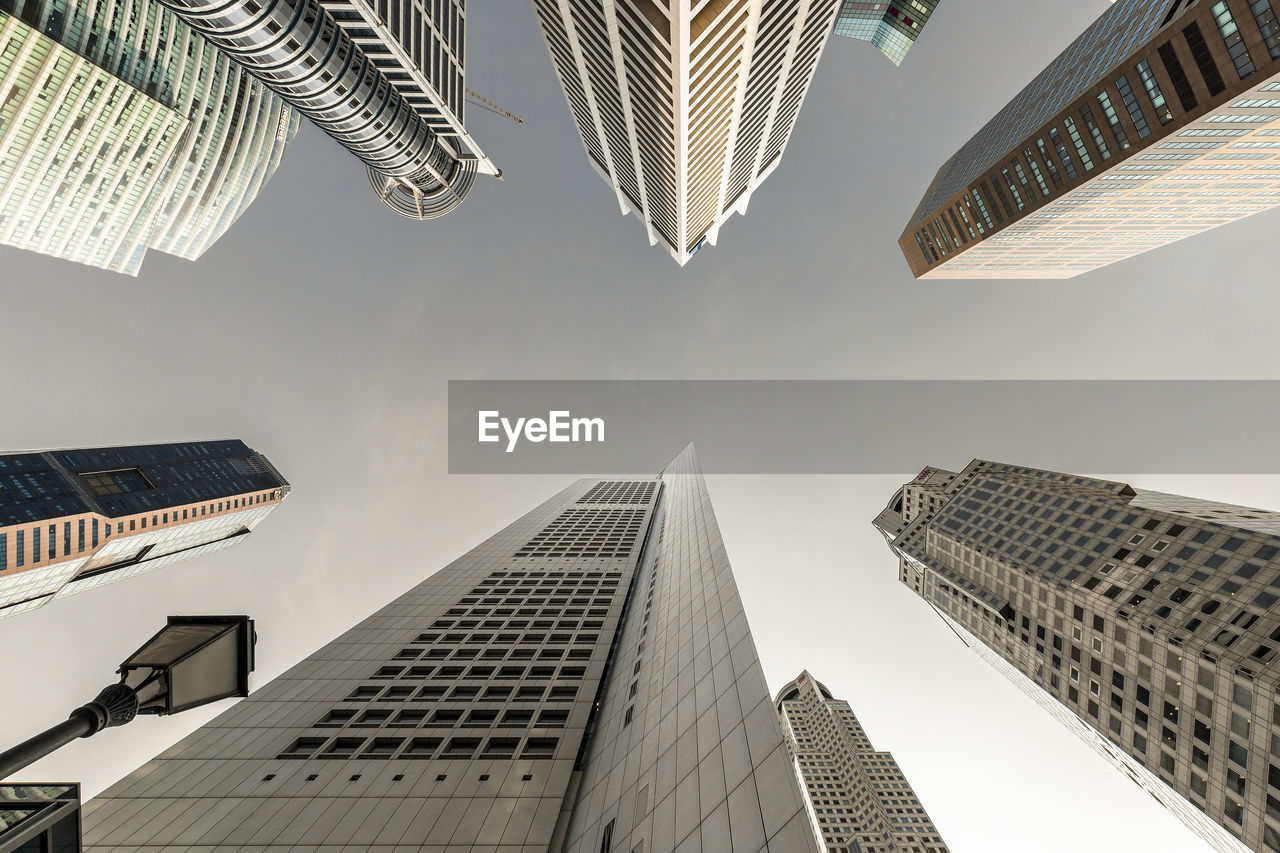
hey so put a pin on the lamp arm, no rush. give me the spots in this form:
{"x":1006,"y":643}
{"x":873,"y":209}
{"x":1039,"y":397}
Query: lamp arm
{"x":116,"y":705}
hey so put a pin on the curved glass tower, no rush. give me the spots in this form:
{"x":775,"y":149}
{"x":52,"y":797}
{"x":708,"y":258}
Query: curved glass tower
{"x":121,"y":130}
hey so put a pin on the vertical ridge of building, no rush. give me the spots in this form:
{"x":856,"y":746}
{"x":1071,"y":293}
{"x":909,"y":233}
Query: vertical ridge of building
{"x":858,"y":797}
{"x":463,"y":715}
{"x":1146,"y":623}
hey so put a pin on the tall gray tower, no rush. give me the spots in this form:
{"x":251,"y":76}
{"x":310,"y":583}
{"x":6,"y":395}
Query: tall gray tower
{"x":1146,"y":623}
{"x":584,"y":680}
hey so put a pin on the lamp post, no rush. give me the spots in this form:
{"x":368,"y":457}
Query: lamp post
{"x":192,"y":661}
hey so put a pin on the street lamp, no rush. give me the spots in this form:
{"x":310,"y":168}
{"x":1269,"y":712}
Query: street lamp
{"x":192,"y":661}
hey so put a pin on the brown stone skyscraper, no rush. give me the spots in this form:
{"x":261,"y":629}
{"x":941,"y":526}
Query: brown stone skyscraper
{"x":1161,"y":121}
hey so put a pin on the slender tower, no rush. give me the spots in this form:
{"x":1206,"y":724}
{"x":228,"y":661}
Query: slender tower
{"x":685,"y":108}
{"x":858,"y":798}
{"x":122,"y":130}
{"x":75,"y":519}
{"x":1160,"y":121}
{"x":1146,"y":623}
{"x":584,"y":680}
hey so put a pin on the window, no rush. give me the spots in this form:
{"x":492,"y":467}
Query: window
{"x":606,"y":838}
{"x":120,"y":481}
{"x":1235,"y":43}
{"x":1238,"y":754}
{"x":343,"y":747}
{"x":421,"y":747}
{"x":303,"y":747}
{"x":1163,"y":113}
{"x":1134,"y":109}
{"x":1265,"y":15}
{"x":1181,"y":85}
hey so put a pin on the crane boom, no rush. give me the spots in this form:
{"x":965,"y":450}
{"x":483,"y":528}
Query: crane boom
{"x":492,"y":107}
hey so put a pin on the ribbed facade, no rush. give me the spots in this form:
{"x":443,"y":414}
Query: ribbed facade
{"x":685,"y":108}
{"x":584,"y":680}
{"x":353,"y":92}
{"x":122,"y":130}
{"x":859,"y":799}
{"x":1161,"y":121}
{"x":71,"y":520}
{"x":891,"y":27}
{"x":1146,"y":623}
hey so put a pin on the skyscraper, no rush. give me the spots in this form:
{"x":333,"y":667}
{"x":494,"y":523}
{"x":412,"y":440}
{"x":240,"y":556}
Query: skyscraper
{"x":122,"y":130}
{"x":384,"y":80}
{"x":1145,"y":622}
{"x":859,"y":798}
{"x":892,"y":27}
{"x":584,"y":680}
{"x":1160,"y":121}
{"x":685,"y":108}
{"x":71,"y":520}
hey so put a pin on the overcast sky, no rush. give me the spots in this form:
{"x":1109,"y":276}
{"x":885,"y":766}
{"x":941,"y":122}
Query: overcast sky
{"x":322,"y":330}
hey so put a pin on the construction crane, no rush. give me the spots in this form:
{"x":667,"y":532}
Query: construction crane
{"x":492,"y":107}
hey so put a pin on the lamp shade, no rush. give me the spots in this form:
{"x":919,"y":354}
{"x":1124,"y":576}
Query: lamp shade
{"x":192,"y":661}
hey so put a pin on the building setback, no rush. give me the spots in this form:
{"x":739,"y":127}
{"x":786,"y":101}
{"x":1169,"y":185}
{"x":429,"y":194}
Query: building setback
{"x":1162,"y":120}
{"x":71,"y":520}
{"x":859,"y":798}
{"x":584,"y":680}
{"x":685,"y":109}
{"x":891,"y":27}
{"x":1144,"y":622}
{"x":122,"y":130}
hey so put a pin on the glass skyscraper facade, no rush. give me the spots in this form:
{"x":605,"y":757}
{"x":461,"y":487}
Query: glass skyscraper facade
{"x":1159,"y":122}
{"x":71,"y":520}
{"x":122,"y":130}
{"x":583,"y":680}
{"x":1144,"y":622}
{"x":892,"y":27}
{"x":859,"y":799}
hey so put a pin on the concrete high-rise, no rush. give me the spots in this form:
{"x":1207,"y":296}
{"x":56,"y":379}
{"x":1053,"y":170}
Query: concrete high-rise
{"x":122,"y":130}
{"x":892,"y":27}
{"x":1147,"y":623}
{"x":859,"y":798}
{"x":71,"y":520}
{"x":1162,"y":120}
{"x":384,"y":80}
{"x":584,"y":680}
{"x":685,"y":108}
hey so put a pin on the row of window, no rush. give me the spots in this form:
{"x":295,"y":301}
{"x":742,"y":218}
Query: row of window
{"x":1005,"y":193}
{"x":48,"y":534}
{"x":421,"y":748}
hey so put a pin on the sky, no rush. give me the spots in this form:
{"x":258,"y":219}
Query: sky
{"x":322,"y":330}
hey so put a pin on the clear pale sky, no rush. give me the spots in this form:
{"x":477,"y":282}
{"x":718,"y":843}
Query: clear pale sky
{"x":322,"y":330}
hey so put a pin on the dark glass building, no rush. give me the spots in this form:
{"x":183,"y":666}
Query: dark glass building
{"x":74,"y":519}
